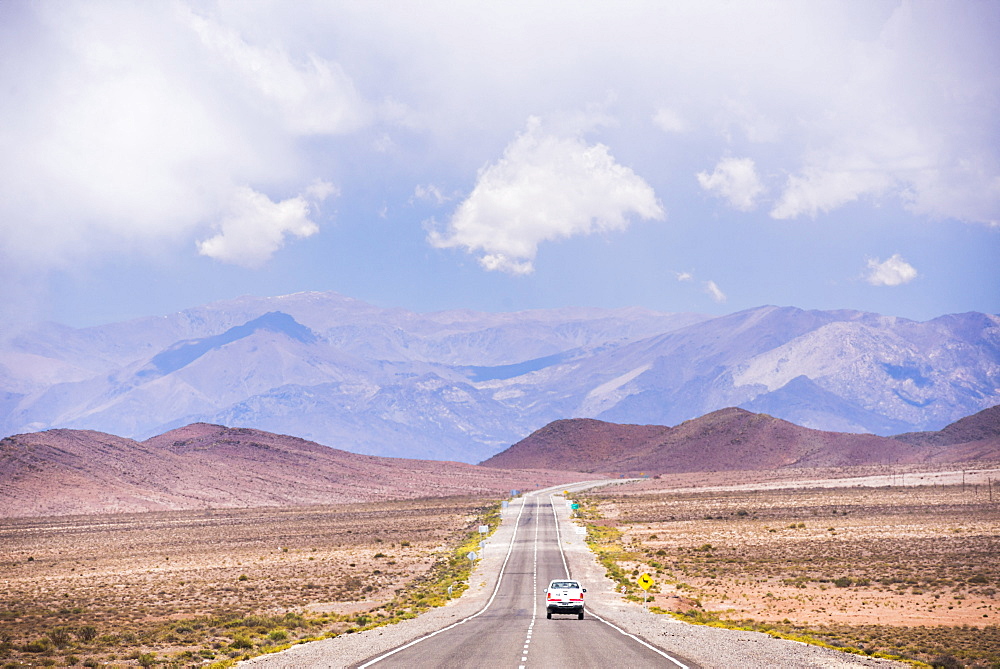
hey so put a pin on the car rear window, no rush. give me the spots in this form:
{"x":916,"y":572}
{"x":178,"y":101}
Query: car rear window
{"x":565,"y":584}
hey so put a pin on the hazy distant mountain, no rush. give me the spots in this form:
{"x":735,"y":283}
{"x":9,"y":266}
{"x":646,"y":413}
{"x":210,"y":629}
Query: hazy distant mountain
{"x":464,"y":385}
{"x":208,"y":466}
{"x":737,"y":440}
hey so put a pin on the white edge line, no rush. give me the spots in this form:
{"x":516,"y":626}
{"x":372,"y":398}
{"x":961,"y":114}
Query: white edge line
{"x":609,"y":624}
{"x":496,"y":589}
{"x":555,"y":517}
{"x":647,"y":645}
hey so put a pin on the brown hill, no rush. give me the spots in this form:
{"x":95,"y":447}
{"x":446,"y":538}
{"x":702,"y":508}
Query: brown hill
{"x":209,"y":466}
{"x":726,"y":440}
{"x":579,"y":444}
{"x":979,"y":427}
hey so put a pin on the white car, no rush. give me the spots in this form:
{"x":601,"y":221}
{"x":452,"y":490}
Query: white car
{"x":564,"y":596}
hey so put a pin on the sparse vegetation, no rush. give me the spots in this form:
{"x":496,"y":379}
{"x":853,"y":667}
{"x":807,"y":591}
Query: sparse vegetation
{"x":893,"y":579}
{"x":221,"y":585}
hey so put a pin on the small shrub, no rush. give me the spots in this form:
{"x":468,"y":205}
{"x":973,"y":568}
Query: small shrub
{"x":59,"y":636}
{"x":86,"y":633}
{"x":242,"y":642}
{"x":843,"y":582}
{"x":38,"y":646}
{"x":243,"y":577}
{"x":946,"y":662}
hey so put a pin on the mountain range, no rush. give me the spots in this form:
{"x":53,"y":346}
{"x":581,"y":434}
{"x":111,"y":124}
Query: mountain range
{"x":463,"y":385}
{"x":734,"y":439}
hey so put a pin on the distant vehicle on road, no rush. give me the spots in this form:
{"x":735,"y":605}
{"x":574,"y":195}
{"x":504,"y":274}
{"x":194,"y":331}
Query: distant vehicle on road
{"x":564,"y":596}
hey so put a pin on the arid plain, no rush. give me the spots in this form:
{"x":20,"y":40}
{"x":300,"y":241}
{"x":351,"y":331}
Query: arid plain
{"x":185,"y":587}
{"x":863,"y":561}
{"x":902,"y":563}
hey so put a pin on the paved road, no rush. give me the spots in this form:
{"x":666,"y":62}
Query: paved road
{"x":500,"y":622}
{"x":512,"y":630}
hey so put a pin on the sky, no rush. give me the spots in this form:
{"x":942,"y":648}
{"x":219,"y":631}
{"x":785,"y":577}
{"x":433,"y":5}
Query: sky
{"x":681,"y":156}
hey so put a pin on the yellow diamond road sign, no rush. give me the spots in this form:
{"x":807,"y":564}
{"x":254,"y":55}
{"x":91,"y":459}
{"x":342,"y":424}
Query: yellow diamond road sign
{"x":645,"y":581}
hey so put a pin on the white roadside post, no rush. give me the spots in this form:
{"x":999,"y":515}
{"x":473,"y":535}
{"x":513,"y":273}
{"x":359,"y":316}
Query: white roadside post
{"x":483,"y":529}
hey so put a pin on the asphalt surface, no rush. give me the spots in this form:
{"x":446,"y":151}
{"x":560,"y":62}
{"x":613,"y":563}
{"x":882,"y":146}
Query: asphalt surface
{"x":500,"y":621}
{"x":513,"y":631}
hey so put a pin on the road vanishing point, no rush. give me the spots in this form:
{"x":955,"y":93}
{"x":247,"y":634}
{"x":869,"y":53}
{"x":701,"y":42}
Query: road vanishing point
{"x":512,"y":630}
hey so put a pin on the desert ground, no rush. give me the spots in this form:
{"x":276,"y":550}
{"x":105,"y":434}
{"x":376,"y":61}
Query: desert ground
{"x":903,"y":562}
{"x":183,"y":587}
{"x":900,"y":562}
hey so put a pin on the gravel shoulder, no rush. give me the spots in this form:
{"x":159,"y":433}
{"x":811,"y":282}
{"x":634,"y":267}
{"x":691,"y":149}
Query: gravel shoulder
{"x":706,"y":646}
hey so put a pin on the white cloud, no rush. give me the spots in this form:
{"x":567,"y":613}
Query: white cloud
{"x":908,"y":117}
{"x":314,"y":96}
{"x":708,"y":287}
{"x":430,"y":193}
{"x":669,"y":120}
{"x":128,"y":127}
{"x":735,"y":180}
{"x":545,"y":187}
{"x":715,"y":292}
{"x":254,"y":227}
{"x":319,"y":190}
{"x":821,"y":190}
{"x":892,"y":272}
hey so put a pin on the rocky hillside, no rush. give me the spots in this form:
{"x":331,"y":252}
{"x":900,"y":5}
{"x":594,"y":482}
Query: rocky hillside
{"x":734,"y":439}
{"x":209,"y":466}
